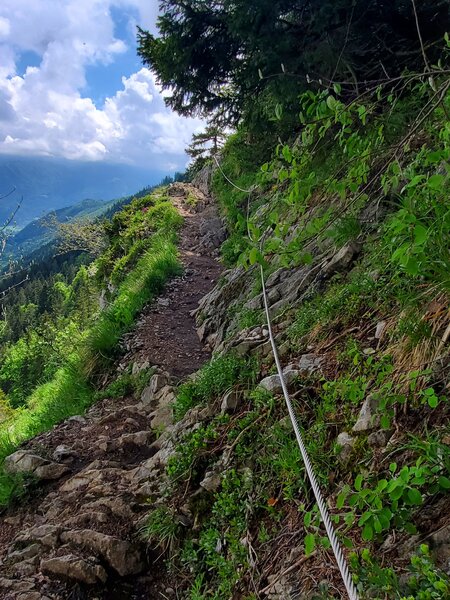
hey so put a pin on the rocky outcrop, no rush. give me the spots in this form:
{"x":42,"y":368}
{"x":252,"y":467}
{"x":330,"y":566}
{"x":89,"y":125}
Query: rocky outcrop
{"x":286,"y":287}
{"x":202,"y":179}
{"x":27,"y":462}
{"x":73,"y":567}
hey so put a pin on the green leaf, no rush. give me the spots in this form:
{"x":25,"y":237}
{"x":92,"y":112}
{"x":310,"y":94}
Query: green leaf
{"x":410,"y":528}
{"x":310,"y":543}
{"x":347,"y":542}
{"x":307,"y":518}
{"x":341,"y":500}
{"x":444,"y":482}
{"x":420,"y":233}
{"x":377,"y":524}
{"x":436,"y":182}
{"x":367,"y":533}
{"x":385,"y":421}
{"x":325,"y":542}
{"x":364,"y":518}
{"x":278,"y":111}
{"x":382,"y":484}
{"x":331,"y":102}
{"x":433,"y":401}
{"x":349,"y":519}
{"x":414,"y":182}
{"x":287,"y":154}
{"x":396,"y":493}
{"x":414,"y":496}
{"x":385,"y":517}
{"x":254,"y":256}
{"x":358,"y":482}
{"x":412,"y":266}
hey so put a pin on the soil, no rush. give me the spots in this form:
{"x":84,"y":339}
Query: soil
{"x":166,"y":333}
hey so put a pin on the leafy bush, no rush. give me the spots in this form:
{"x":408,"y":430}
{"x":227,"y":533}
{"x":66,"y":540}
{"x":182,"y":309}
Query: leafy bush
{"x":425,"y":581}
{"x":215,"y":378}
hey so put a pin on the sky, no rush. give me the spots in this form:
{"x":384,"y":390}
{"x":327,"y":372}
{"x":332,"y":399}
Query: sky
{"x":72,"y":85}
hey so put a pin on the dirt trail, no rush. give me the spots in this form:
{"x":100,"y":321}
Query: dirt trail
{"x":107,"y":450}
{"x":166,"y":334}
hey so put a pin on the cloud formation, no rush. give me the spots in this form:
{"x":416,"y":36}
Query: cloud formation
{"x":43,"y":110}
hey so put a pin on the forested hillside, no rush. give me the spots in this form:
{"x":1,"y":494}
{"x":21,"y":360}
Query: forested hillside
{"x":326,"y":153}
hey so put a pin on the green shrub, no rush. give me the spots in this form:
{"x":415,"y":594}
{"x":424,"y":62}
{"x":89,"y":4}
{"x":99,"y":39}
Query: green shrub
{"x":214,"y":379}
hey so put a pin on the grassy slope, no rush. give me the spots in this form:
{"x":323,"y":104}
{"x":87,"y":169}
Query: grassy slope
{"x":363,"y":176}
{"x":142,"y":276}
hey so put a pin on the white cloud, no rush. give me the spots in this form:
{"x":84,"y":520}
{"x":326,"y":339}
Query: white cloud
{"x":5,"y":27}
{"x":43,"y":110}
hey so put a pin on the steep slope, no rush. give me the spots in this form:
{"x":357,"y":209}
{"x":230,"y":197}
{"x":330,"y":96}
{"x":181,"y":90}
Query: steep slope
{"x":349,"y":226}
{"x":82,"y":525}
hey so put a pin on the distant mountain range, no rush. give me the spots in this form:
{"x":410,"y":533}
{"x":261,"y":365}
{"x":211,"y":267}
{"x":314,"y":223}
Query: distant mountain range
{"x":35,"y":241}
{"x":37,"y":233}
{"x":49,"y":184}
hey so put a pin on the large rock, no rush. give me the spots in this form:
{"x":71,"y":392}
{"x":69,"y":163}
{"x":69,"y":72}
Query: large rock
{"x":211,"y":482}
{"x":310,"y":362}
{"x":28,"y":552}
{"x":26,"y":462}
{"x":63,"y":452}
{"x":342,"y":259}
{"x":74,"y":567}
{"x":368,"y":418}
{"x":156,"y":384}
{"x":230,"y":401}
{"x":92,"y":477}
{"x":273,"y":383}
{"x":121,"y":555}
{"x":202,"y":179}
{"x":440,"y":545}
{"x":380,"y":438}
{"x":46,"y":535}
{"x":139,"y":438}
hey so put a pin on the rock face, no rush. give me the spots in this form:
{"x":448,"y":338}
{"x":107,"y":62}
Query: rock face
{"x":73,"y":567}
{"x":26,"y":462}
{"x":202,"y":179}
{"x":121,"y":555}
{"x":285,"y":287}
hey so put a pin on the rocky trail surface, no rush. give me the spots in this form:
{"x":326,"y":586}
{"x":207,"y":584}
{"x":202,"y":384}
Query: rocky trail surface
{"x":78,"y":536}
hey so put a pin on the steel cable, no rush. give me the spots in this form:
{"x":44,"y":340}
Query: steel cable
{"x":335,"y":545}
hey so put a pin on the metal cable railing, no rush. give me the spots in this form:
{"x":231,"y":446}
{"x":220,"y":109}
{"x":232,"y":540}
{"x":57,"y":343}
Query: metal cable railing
{"x":325,"y":515}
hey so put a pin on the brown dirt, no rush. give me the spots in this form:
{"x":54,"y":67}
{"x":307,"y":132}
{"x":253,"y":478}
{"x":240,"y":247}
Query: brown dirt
{"x":165,"y":334}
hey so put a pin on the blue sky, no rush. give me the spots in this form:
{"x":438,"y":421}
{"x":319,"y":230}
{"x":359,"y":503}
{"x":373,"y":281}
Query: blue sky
{"x":72,"y":86}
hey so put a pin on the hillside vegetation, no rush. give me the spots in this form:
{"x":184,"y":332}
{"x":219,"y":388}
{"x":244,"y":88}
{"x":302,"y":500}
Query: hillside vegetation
{"x":49,"y":372}
{"x":333,"y":184}
{"x":341,"y":195}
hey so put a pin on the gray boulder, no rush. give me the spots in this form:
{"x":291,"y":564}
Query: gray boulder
{"x":121,"y":555}
{"x":26,"y":462}
{"x":345,"y":442}
{"x":368,"y":418}
{"x":273,"y":383}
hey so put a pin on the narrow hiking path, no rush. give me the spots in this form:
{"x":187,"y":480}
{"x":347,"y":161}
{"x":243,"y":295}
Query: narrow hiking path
{"x":76,"y":536}
{"x":165,"y":333}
